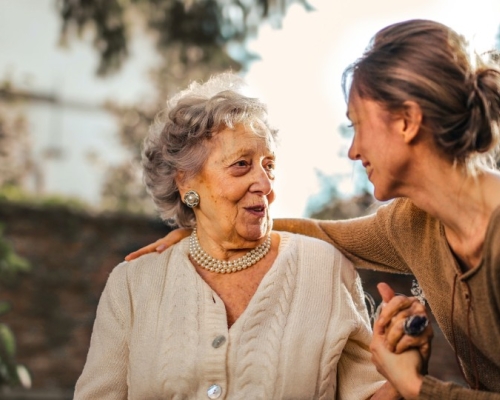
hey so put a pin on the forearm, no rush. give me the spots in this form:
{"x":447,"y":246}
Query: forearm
{"x":306,"y":227}
{"x":433,"y":388}
{"x":365,"y":241}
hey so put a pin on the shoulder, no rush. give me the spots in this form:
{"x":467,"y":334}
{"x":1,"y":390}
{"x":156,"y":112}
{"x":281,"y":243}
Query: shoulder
{"x":401,"y":208}
{"x":405,"y":218}
{"x":316,"y":254}
{"x":295,"y":241}
{"x":147,"y":268}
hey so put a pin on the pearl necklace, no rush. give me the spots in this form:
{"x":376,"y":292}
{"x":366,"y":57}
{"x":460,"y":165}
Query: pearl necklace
{"x":225,"y":267}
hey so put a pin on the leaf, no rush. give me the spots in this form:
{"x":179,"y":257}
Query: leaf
{"x":4,"y":307}
{"x":7,"y":341}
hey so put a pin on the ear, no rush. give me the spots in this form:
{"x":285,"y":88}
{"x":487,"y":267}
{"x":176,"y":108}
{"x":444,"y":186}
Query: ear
{"x":412,"y":121}
{"x":180,"y":181}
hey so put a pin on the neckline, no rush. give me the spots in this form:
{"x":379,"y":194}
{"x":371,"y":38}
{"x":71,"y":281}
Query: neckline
{"x":284,"y":240}
{"x":486,"y":248}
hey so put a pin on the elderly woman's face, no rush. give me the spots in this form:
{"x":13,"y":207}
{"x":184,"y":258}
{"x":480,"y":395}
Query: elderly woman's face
{"x":236,"y":186}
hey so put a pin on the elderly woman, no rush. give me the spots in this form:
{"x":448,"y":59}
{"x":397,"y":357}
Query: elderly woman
{"x":235,"y":311}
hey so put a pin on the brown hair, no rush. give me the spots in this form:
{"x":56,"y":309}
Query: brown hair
{"x":427,"y":62}
{"x":177,"y":141}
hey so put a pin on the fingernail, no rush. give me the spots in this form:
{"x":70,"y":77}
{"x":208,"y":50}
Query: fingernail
{"x":160,"y":248}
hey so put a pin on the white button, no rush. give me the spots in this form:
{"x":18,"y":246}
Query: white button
{"x":214,"y":392}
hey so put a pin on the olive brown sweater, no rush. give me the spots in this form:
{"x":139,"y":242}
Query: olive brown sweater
{"x":401,"y":238}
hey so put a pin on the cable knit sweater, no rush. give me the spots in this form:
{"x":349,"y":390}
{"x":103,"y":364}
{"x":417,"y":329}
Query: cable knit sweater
{"x":161,"y":332}
{"x":400,"y":237}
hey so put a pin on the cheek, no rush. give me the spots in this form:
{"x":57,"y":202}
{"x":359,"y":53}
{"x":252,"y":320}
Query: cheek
{"x":271,"y":197}
{"x":225,"y":195}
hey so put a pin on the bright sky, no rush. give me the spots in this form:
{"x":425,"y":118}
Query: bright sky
{"x":298,"y":76}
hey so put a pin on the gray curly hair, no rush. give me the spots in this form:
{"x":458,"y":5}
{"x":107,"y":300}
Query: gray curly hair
{"x":178,"y":138}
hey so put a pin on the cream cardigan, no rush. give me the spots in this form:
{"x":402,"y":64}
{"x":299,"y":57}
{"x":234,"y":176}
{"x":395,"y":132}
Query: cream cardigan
{"x":161,"y":332}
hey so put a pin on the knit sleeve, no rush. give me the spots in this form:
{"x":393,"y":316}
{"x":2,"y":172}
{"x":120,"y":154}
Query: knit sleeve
{"x":357,"y":376}
{"x":433,"y":388}
{"x":104,"y":376}
{"x":368,"y":242}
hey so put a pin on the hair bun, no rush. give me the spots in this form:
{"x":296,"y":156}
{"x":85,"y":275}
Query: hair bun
{"x":484,"y":106}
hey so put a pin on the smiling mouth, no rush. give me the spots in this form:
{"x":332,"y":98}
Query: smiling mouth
{"x":257,"y":210}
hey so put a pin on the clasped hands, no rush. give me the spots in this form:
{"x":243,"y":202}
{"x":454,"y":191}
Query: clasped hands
{"x":401,"y":356}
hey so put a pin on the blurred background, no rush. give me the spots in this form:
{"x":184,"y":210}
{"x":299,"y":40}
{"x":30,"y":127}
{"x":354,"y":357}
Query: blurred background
{"x":80,"y":82}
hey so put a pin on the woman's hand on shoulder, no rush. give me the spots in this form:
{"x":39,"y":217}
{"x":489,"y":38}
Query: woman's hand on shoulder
{"x":170,"y":239}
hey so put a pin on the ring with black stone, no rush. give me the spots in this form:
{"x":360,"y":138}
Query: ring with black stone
{"x":414,"y":325}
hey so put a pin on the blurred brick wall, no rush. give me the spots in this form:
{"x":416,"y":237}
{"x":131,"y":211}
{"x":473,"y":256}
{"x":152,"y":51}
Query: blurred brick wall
{"x":72,"y":254}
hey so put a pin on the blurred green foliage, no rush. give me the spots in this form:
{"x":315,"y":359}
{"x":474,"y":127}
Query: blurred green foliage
{"x":11,"y":373}
{"x":201,"y":29}
{"x":15,"y":193}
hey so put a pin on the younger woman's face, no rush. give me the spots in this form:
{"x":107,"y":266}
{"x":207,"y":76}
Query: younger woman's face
{"x":379,"y":145}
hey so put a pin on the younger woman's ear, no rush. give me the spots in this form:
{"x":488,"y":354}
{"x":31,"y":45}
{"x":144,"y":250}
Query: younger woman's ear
{"x":412,"y":118}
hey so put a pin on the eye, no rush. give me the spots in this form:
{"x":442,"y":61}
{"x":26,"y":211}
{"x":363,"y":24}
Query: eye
{"x":240,"y":167}
{"x":241,"y":163}
{"x":270,"y":166}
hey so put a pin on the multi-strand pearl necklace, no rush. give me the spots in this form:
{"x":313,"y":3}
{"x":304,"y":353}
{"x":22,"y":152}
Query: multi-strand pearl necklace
{"x":225,"y":267}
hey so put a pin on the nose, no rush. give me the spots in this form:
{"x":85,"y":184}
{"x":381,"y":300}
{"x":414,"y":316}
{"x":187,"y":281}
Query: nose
{"x":263,"y":181}
{"x":353,"y":152}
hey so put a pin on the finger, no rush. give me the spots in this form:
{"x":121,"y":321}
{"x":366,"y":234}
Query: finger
{"x":174,"y":237}
{"x":143,"y":250}
{"x":395,"y":331}
{"x":420,"y":342}
{"x":376,"y":344}
{"x":385,"y":291}
{"x":378,"y":327}
{"x":160,"y":245}
{"x":394,"y":306}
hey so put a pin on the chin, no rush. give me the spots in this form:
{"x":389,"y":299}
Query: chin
{"x":379,"y":197}
{"x":256,"y":232}
{"x":382,"y":195}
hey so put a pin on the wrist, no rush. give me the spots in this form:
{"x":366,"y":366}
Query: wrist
{"x":411,"y":389}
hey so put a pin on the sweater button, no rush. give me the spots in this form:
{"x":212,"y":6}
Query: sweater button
{"x":219,"y":341}
{"x":214,"y":392}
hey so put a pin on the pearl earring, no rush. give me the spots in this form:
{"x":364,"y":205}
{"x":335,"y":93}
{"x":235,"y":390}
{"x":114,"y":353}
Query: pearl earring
{"x":191,"y":199}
